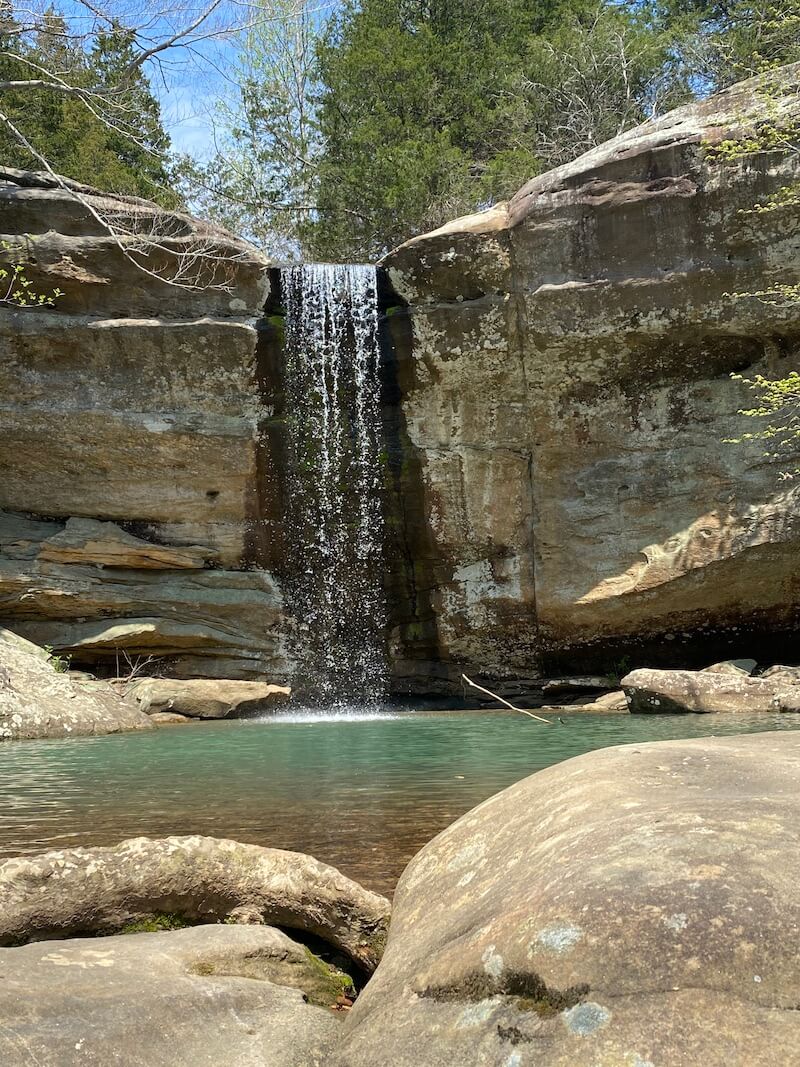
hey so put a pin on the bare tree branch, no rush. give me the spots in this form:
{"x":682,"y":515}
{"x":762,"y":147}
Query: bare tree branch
{"x":151,"y":238}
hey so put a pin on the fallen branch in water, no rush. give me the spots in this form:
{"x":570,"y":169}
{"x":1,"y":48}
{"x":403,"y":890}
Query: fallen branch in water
{"x":494,"y":696}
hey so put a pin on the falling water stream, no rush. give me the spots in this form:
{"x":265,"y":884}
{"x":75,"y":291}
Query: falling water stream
{"x":335,"y":525}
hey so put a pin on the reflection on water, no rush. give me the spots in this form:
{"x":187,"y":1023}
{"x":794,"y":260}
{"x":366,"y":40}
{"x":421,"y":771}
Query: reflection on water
{"x":363,"y":794}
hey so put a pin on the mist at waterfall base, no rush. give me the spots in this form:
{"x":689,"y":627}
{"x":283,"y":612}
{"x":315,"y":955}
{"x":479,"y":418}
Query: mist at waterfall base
{"x":334,"y":517}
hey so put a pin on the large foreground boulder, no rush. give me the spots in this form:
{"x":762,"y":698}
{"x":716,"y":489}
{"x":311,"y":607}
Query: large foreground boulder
{"x":202,"y":879}
{"x":204,"y":997}
{"x":38,"y":700}
{"x":634,"y":907}
{"x":207,"y":698}
{"x":670,"y":692}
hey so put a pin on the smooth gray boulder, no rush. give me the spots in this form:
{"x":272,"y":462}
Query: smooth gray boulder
{"x":36,"y":700}
{"x":633,"y":906}
{"x":654,"y":692}
{"x":732,"y":666}
{"x":203,"y":997}
{"x":201,"y":879}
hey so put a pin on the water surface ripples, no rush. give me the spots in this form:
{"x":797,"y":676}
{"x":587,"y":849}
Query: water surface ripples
{"x":363,"y":792}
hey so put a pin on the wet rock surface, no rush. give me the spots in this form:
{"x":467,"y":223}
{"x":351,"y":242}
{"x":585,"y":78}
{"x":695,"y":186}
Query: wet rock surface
{"x":636,"y":905}
{"x":199,"y":997}
{"x":37,"y":700}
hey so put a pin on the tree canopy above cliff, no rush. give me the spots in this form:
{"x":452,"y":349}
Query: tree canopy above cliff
{"x":349,"y":126}
{"x":414,"y":111}
{"x":430,"y":110}
{"x":82,"y":106}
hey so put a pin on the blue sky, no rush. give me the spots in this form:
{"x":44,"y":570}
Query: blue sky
{"x":189,"y":83}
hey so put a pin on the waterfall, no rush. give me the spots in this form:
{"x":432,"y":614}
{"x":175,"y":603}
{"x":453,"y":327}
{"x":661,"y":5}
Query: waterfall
{"x":334,"y":512}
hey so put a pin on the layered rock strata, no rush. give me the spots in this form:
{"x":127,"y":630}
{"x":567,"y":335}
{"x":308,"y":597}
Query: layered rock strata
{"x":131,"y":420}
{"x":567,"y":401}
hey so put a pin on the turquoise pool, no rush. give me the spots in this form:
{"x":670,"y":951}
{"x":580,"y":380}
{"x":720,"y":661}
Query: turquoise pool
{"x":362,"y":793}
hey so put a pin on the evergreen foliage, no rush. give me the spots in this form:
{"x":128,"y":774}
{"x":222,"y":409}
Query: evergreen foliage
{"x":431,"y":108}
{"x":124,"y":151}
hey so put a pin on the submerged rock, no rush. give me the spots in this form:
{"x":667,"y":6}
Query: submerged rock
{"x":39,"y":700}
{"x":205,"y":879}
{"x":203,"y":997}
{"x":636,"y":905}
{"x":653,"y":692}
{"x":207,"y":698}
{"x":606,"y":704}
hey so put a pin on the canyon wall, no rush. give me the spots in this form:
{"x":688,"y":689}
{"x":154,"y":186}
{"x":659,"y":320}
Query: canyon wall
{"x":566,"y":395}
{"x":131,"y":427}
{"x":558,"y":401}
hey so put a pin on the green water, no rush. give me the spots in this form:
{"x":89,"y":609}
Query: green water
{"x":364,"y":795}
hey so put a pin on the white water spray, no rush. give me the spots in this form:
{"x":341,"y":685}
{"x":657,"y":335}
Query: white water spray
{"x":335,"y":480}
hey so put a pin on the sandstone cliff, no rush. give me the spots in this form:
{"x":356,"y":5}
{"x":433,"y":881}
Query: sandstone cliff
{"x":566,"y":395}
{"x":558,"y":395}
{"x":134,"y":401}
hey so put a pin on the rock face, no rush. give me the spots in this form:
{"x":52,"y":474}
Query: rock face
{"x":189,"y":998}
{"x":201,"y":698}
{"x":132,"y":511}
{"x":667,"y":692}
{"x":203,"y":879}
{"x":104,"y":544}
{"x":636,"y":905}
{"x":564,"y":380}
{"x":192,"y":620}
{"x":38,"y":701}
{"x":558,"y":399}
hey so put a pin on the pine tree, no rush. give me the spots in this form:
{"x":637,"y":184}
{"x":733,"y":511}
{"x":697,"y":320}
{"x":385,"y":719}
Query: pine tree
{"x":118,"y":144}
{"x":433,"y":108}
